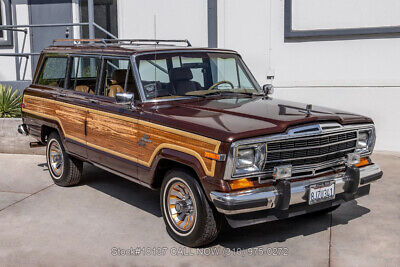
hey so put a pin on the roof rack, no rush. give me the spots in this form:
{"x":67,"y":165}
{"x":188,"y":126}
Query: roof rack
{"x":123,"y":41}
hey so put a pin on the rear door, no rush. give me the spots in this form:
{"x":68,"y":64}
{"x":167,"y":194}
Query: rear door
{"x":75,"y":99}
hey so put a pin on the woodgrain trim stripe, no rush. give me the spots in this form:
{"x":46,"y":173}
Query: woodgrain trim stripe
{"x":216,"y":143}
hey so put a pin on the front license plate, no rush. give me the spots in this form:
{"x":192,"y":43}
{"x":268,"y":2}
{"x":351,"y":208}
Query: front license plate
{"x":321,"y":192}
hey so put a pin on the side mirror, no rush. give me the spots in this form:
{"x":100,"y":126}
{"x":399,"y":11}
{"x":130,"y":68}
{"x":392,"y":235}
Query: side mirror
{"x":268,"y":89}
{"x":124,"y":98}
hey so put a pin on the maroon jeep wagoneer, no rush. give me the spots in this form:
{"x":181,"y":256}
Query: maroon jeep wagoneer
{"x":194,"y":124}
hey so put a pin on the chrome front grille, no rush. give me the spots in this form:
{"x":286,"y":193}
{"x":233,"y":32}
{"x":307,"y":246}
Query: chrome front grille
{"x":310,"y":156}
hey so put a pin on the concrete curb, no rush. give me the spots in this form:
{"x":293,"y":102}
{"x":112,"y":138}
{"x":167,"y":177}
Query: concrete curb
{"x":14,"y":143}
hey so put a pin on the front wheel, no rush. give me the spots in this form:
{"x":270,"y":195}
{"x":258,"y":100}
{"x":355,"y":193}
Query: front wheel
{"x":188,"y":216}
{"x":64,"y":170}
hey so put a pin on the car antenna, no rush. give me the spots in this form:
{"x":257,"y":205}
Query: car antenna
{"x":155,"y":57}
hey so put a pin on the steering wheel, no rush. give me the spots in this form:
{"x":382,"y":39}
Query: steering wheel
{"x":221,"y":82}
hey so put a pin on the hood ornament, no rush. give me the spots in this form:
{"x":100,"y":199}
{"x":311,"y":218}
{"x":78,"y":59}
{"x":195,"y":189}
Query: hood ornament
{"x":308,"y":109}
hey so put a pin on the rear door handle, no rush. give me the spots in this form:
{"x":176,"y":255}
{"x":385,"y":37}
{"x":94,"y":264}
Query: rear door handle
{"x":62,"y":94}
{"x":94,"y":101}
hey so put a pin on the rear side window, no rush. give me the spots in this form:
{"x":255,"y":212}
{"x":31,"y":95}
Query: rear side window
{"x":53,"y":71}
{"x":84,"y":71}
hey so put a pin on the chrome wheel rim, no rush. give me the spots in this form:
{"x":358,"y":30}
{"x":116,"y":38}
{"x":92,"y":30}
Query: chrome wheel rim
{"x":181,"y":206}
{"x":56,"y":159}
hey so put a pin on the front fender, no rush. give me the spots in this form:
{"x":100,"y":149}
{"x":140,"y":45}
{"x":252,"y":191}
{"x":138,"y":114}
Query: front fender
{"x":208,"y":183}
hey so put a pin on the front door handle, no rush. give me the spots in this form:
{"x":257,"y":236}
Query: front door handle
{"x":94,"y":101}
{"x":62,"y":95}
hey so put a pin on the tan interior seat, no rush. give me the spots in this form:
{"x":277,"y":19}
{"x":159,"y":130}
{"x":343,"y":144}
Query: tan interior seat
{"x":118,"y":78}
{"x":114,"y":89}
{"x":53,"y":84}
{"x":84,"y":89}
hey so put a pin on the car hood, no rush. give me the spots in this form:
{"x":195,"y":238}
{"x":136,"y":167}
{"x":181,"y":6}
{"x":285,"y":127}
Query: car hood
{"x":231,"y":119}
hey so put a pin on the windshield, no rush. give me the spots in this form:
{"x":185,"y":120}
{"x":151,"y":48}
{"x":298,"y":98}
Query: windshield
{"x":194,"y":74}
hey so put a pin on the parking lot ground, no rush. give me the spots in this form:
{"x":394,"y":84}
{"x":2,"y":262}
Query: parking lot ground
{"x":43,"y":224}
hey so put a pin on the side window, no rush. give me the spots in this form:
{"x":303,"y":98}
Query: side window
{"x":119,"y":78}
{"x":53,"y":71}
{"x":84,"y":72}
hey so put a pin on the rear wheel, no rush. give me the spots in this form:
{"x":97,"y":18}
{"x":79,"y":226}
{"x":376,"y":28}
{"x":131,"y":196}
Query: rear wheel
{"x":188,"y":216}
{"x":64,"y":170}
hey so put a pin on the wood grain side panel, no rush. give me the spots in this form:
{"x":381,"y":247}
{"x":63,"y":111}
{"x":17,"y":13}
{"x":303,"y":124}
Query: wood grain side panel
{"x":70,"y":118}
{"x":119,"y":135}
{"x":73,"y":121}
{"x":39,"y":105}
{"x":175,"y":140}
{"x":112,"y":134}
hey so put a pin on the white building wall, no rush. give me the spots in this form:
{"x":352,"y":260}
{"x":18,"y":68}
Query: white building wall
{"x":164,"y":19}
{"x":362,"y":76}
{"x":8,"y":69}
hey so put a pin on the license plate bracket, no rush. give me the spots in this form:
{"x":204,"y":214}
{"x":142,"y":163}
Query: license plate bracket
{"x":321,"y":192}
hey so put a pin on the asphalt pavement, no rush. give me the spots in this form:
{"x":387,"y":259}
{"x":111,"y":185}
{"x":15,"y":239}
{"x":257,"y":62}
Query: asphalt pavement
{"x":107,"y":220}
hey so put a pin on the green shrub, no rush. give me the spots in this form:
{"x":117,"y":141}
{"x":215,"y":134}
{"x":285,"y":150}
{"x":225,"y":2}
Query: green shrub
{"x":10,"y":102}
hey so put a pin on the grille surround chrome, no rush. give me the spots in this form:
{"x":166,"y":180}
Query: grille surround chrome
{"x":295,"y":133}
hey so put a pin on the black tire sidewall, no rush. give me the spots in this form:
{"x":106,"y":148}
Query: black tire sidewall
{"x":200,"y":199}
{"x":62,"y":180}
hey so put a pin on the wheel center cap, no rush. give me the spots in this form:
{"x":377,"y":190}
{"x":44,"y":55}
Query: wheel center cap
{"x":178,"y":207}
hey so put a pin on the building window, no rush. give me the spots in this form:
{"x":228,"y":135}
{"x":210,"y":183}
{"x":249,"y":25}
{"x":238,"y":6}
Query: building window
{"x":105,"y":15}
{"x":5,"y":19}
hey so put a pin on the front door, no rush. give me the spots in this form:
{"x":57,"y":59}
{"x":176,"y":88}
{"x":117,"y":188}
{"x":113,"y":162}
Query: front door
{"x":112,"y":128}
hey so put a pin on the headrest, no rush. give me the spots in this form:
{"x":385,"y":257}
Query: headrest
{"x":180,"y":74}
{"x":119,"y":76}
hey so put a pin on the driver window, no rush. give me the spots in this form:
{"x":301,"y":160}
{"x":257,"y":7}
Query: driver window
{"x":115,"y":77}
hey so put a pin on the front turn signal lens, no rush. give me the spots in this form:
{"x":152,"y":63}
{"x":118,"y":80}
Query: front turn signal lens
{"x":363,"y":162}
{"x":241,"y":183}
{"x":214,"y":156}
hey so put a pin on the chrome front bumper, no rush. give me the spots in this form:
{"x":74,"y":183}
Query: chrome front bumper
{"x":278,"y":196}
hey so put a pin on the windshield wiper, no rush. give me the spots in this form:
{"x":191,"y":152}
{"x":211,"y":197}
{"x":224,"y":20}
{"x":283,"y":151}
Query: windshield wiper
{"x":172,"y":95}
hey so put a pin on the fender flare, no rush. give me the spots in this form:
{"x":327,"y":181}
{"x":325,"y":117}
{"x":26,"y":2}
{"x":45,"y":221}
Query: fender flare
{"x":179,"y":157}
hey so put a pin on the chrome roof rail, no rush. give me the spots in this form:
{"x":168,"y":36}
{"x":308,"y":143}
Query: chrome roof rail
{"x":105,"y":42}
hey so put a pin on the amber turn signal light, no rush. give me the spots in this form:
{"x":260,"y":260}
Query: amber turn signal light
{"x":215,"y":156}
{"x":241,"y":183}
{"x":363,"y":162}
